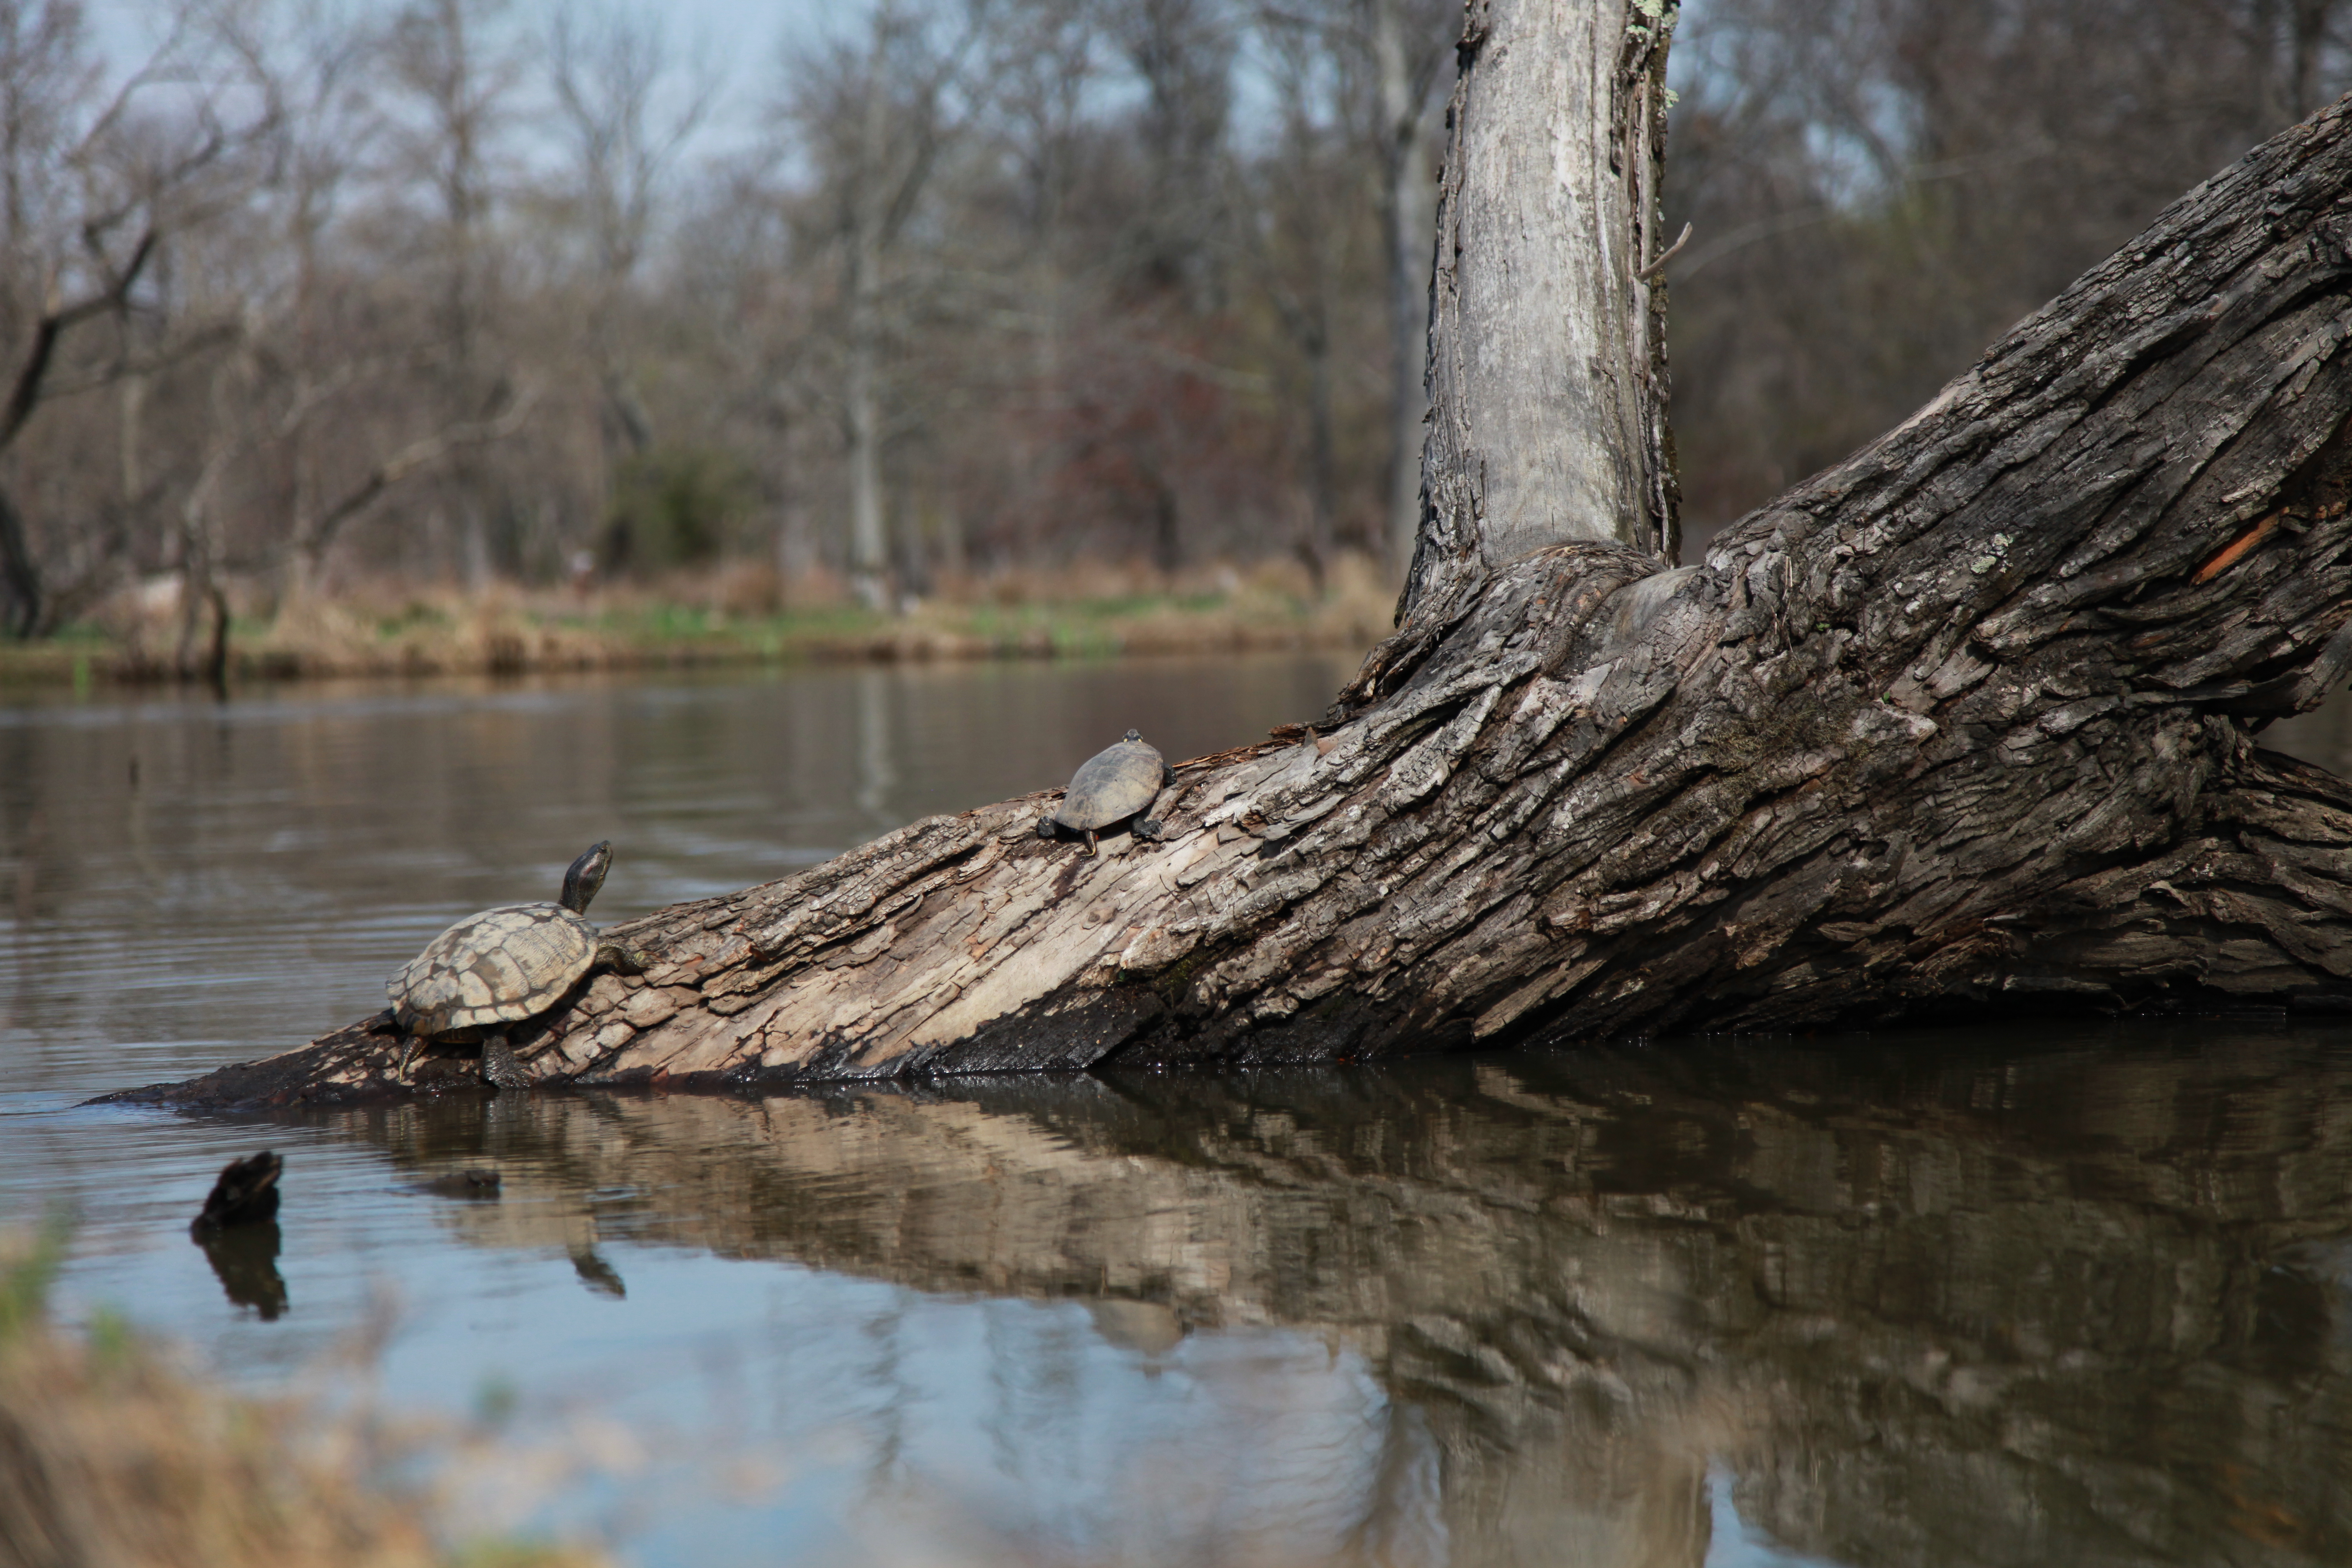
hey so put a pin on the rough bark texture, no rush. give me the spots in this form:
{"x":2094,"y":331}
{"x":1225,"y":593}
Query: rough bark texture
{"x":1963,"y":719}
{"x":1407,"y":197}
{"x":1547,"y":342}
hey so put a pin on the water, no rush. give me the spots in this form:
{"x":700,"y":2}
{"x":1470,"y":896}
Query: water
{"x":2068,"y":1295}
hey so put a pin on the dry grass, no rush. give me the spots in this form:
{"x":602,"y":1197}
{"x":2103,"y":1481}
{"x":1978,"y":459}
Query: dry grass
{"x":739,"y":614}
{"x":112,"y":1457}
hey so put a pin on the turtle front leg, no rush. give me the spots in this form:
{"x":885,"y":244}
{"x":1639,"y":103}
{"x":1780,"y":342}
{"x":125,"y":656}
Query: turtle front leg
{"x":1150,"y":829}
{"x":500,"y":1066}
{"x":627,"y":960}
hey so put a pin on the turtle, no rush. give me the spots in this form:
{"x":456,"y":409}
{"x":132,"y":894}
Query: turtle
{"x":1113,"y":785}
{"x":504,"y":965}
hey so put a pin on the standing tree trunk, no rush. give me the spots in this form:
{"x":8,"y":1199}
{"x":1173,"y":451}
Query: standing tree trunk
{"x":1405,"y":217}
{"x":869,"y":556}
{"x":1547,"y":332}
{"x":1964,"y":721}
{"x":22,"y":599}
{"x":1322,"y":460}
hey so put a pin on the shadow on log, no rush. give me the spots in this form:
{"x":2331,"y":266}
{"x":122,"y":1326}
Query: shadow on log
{"x":1965,"y":722}
{"x":1938,"y":1307}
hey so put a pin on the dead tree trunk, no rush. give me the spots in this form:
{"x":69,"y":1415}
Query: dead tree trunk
{"x":1546,"y":324}
{"x":1966,"y":720}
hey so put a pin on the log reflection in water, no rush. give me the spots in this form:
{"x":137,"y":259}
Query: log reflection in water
{"x":2016,"y":1308}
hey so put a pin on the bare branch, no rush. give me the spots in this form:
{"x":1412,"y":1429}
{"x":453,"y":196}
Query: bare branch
{"x":27,"y":392}
{"x":418,"y":455}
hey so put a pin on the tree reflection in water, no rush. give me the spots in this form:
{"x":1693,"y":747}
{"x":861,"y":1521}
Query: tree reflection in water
{"x":1919,"y":1301}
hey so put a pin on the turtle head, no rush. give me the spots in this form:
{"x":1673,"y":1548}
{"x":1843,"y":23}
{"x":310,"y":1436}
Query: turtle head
{"x":1133,"y":736}
{"x":586,"y":875}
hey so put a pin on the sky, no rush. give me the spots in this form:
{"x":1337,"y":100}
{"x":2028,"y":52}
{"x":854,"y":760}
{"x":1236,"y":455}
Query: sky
{"x":743,"y":38}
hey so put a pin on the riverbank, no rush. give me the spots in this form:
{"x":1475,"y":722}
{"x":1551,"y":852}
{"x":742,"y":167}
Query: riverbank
{"x":720,"y":619}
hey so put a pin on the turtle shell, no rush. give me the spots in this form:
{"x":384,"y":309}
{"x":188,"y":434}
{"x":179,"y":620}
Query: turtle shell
{"x":1112,"y":785}
{"x":493,"y":968}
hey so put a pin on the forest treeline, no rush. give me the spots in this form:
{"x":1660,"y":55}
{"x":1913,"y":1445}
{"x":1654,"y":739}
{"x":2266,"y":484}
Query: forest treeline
{"x":474,"y":292}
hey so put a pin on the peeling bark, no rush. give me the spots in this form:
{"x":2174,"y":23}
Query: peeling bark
{"x":1964,"y":721}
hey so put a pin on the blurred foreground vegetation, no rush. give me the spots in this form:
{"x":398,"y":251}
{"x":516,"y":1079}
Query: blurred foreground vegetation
{"x":111,"y":1455}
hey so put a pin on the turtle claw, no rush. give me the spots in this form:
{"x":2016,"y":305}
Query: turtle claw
{"x":500,"y":1067}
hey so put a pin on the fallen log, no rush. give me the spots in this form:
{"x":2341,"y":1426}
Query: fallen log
{"x":1965,"y":722}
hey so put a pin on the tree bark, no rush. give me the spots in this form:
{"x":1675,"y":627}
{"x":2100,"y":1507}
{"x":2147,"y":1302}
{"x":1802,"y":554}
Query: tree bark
{"x":868,"y":206}
{"x":1406,"y":202}
{"x":1546,"y":333}
{"x":1963,"y":722}
{"x":22,"y":599}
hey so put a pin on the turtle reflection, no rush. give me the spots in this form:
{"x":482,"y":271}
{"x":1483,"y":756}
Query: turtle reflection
{"x":245,"y":1260}
{"x":237,"y":1229}
{"x":598,"y":1275}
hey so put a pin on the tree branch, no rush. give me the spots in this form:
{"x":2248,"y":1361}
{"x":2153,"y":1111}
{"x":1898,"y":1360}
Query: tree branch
{"x":26,"y":392}
{"x":414,"y":456}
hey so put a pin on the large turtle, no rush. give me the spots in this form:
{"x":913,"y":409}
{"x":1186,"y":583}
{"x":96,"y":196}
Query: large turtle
{"x":1109,"y":787}
{"x":504,"y":965}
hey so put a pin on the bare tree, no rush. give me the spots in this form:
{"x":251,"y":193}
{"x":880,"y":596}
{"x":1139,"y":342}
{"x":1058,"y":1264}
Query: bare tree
{"x":1041,"y":66}
{"x":320,"y":75}
{"x":1040,"y":332}
{"x":1408,"y":41}
{"x":879,"y":114}
{"x":611,"y":72}
{"x":1298,"y":229}
{"x":1879,"y":186}
{"x":456,"y":81}
{"x":95,"y":189}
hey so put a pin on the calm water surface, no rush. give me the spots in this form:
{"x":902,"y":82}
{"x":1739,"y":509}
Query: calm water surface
{"x":2071,"y":1295}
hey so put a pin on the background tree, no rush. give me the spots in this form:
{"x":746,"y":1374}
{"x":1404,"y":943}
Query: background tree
{"x":1879,"y":187}
{"x":101,"y":191}
{"x":879,"y":114}
{"x":608,"y":68}
{"x":1156,"y":297}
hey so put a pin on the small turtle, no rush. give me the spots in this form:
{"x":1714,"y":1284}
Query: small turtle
{"x":1110,"y":787}
{"x":502,"y":966}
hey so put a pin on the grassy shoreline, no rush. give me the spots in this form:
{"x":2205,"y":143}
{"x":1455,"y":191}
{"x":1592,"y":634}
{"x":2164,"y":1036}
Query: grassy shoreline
{"x":697,"y":624}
